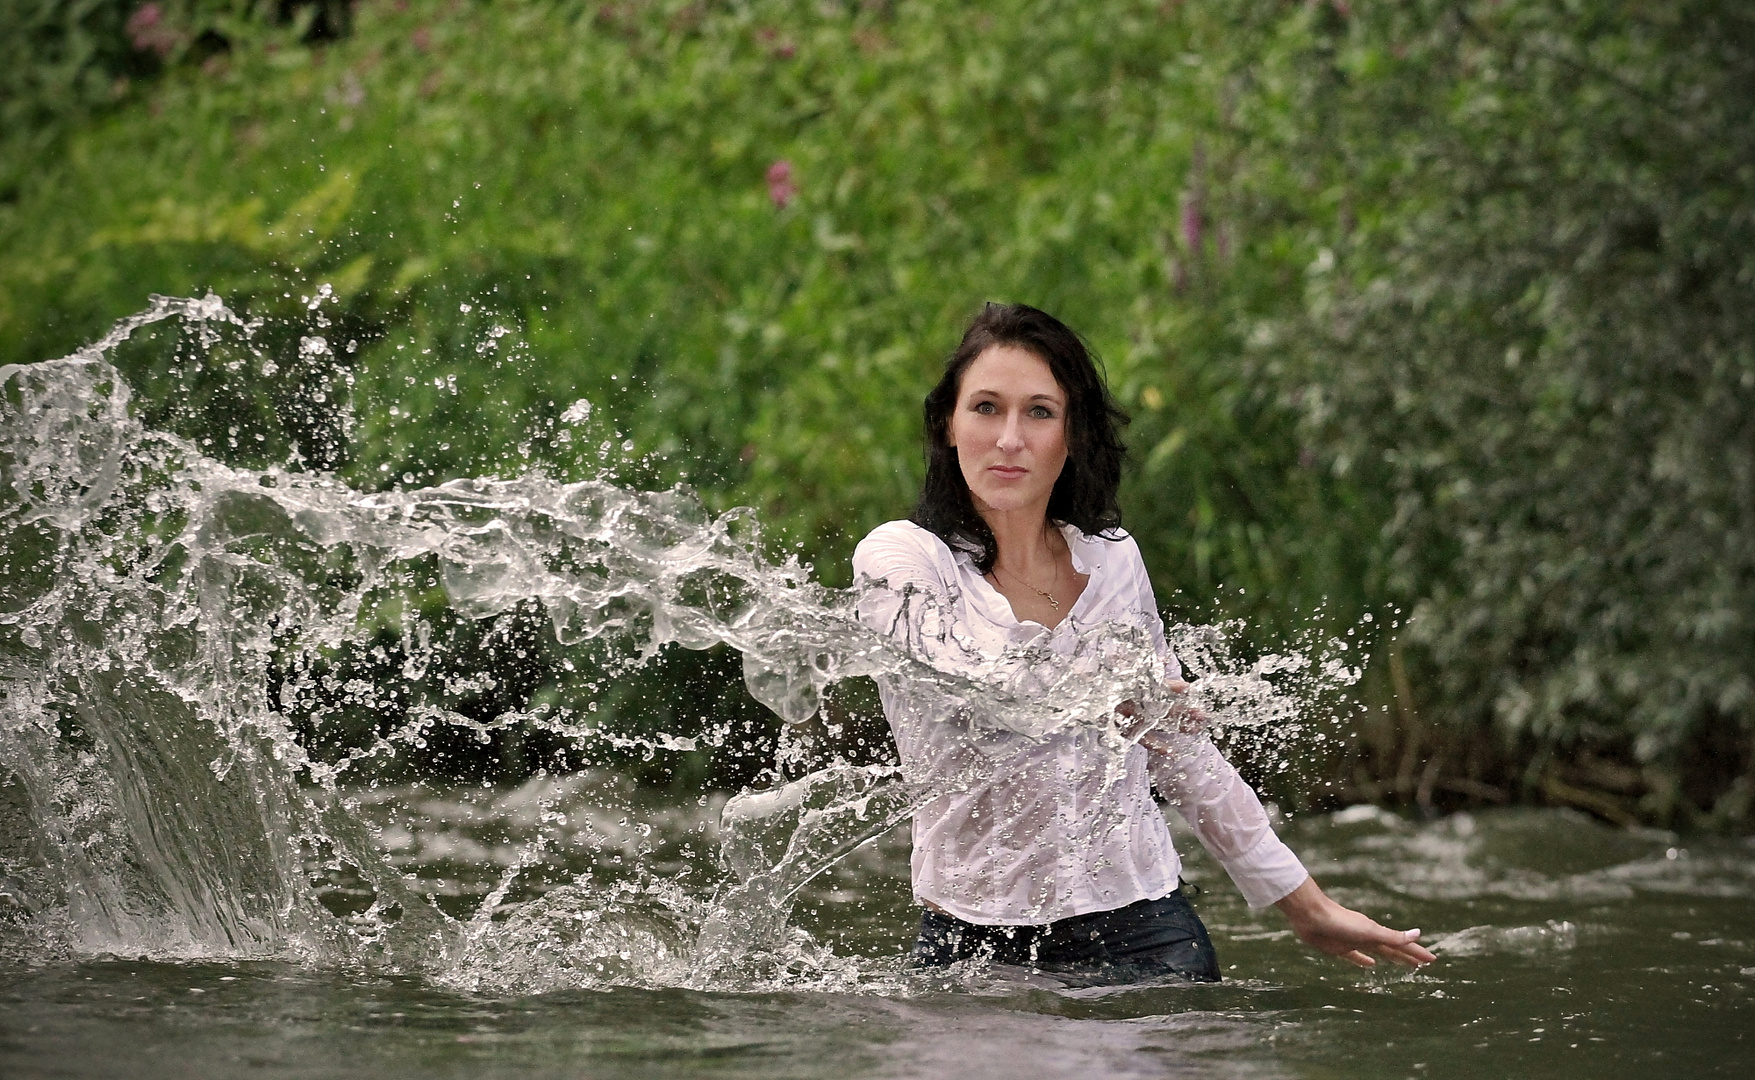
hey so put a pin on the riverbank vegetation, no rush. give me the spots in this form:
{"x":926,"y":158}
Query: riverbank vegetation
{"x":1439,"y":312}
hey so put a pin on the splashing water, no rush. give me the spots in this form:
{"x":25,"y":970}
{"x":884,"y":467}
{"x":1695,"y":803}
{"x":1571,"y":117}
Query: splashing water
{"x":168,"y":631}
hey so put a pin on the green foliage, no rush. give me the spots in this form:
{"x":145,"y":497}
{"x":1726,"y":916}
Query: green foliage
{"x":592,"y":181}
{"x":65,"y":61}
{"x":1434,"y":306}
{"x":1534,"y":329}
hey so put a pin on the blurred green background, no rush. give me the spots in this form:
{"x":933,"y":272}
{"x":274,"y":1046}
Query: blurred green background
{"x":1441,"y":312}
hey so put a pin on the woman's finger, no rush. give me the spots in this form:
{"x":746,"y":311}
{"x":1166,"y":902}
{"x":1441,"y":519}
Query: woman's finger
{"x":1404,"y":946}
{"x":1359,"y":959}
{"x":1412,"y":955}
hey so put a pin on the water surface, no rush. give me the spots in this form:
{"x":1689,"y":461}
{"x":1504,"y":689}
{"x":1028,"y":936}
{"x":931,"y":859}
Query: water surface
{"x":1568,"y":949}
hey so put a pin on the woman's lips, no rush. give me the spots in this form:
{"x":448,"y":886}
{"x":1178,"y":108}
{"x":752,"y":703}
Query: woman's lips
{"x":1008,"y":472}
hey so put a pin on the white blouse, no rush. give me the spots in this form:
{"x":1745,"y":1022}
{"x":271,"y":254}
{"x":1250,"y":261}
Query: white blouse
{"x":1040,"y":827}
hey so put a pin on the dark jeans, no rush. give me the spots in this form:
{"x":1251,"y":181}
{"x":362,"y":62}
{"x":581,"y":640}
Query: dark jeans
{"x":1142,"y":940}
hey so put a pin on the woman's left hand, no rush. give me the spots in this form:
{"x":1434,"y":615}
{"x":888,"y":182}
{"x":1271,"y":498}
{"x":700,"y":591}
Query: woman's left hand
{"x":1155,"y":734}
{"x":1340,"y":931}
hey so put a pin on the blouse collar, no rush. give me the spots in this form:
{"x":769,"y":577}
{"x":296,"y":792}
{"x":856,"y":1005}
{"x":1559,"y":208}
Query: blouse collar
{"x":998,"y":609}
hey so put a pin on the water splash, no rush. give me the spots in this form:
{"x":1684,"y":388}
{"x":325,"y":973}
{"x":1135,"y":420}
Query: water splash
{"x":167,"y":629}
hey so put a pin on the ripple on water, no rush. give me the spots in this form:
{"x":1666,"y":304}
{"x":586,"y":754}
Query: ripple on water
{"x":1553,"y":936}
{"x":1522,"y":854}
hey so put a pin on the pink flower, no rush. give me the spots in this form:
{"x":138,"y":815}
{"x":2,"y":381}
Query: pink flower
{"x":145,"y":17}
{"x":147,"y":31}
{"x":422,"y":39}
{"x":781,"y":189}
{"x":776,"y":45}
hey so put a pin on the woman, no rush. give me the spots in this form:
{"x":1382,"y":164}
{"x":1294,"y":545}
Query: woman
{"x":1047,"y":851}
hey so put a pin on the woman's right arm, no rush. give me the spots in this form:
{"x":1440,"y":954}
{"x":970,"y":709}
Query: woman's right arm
{"x":906,"y":594}
{"x":896,"y":581}
{"x":904,"y":579}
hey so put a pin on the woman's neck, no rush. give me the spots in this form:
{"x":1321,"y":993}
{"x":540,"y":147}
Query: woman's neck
{"x":1033,"y":567}
{"x":1025,"y":545}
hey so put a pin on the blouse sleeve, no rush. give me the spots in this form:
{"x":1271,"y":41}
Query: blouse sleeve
{"x":905,"y":595}
{"x":1223,"y":810}
{"x":901,"y":592}
{"x":1226,"y":816}
{"x":1148,"y":604}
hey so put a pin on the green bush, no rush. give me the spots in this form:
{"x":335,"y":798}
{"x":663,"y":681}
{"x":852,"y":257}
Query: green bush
{"x":1532,"y":327}
{"x":63,"y":62}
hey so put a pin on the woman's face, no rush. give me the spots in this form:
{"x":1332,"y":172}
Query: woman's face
{"x":1009,"y":430}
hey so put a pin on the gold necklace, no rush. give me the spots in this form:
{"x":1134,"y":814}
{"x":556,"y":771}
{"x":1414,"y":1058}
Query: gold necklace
{"x":1052,"y":602}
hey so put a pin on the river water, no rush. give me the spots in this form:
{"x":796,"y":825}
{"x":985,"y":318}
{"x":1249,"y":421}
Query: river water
{"x":208,"y":866}
{"x":1567,"y":949}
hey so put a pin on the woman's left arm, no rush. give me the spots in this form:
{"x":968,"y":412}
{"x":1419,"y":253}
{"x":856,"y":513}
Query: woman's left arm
{"x":1230,"y":822}
{"x":1227,"y":818}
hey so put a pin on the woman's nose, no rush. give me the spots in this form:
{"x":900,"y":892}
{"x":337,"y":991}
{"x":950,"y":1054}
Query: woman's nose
{"x":1010,"y":437}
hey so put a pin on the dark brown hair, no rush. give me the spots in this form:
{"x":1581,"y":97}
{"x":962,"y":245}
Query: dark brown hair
{"x":1084,"y":494}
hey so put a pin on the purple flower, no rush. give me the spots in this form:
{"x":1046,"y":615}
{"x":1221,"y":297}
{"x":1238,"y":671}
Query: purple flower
{"x":1191,"y":222}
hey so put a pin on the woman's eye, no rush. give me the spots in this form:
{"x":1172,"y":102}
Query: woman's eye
{"x":985,"y":407}
{"x":1042,"y":412}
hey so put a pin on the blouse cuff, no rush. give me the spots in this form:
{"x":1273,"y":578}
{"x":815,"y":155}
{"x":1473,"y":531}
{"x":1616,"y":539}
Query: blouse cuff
{"x":1267,"y":872}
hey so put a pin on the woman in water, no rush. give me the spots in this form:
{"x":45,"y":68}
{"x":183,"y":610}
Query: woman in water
{"x":1048,"y":851}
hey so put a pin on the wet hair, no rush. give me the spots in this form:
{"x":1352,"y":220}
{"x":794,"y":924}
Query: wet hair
{"x":1084,"y":494}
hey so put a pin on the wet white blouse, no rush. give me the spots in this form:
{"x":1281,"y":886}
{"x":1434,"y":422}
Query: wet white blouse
{"x":1047,"y":831}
